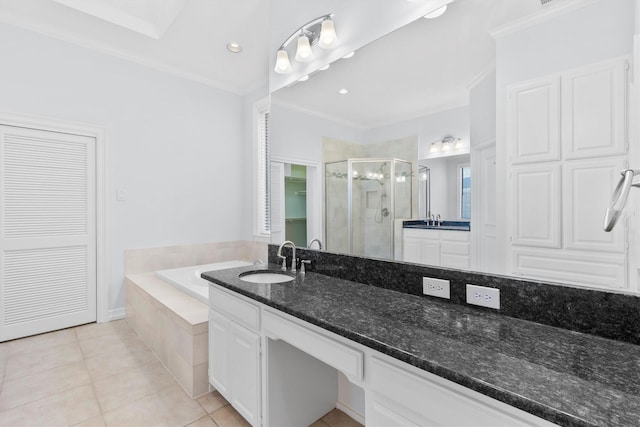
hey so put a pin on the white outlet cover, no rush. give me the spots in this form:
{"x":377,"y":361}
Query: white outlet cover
{"x":483,"y":296}
{"x":436,"y":287}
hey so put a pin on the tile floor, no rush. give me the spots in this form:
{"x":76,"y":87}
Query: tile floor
{"x":104,"y":375}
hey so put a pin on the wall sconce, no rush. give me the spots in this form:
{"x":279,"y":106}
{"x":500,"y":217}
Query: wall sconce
{"x":446,"y":144}
{"x":320,"y":31}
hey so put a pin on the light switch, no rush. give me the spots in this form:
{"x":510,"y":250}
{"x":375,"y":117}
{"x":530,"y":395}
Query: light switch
{"x":121,"y":194}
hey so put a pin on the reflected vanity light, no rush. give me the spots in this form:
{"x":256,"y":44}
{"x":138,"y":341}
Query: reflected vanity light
{"x":349,"y":55}
{"x":446,"y":145}
{"x":320,"y":31}
{"x":343,"y":91}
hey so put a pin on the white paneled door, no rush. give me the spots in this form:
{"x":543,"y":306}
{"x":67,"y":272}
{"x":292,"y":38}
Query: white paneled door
{"x":47,"y":231}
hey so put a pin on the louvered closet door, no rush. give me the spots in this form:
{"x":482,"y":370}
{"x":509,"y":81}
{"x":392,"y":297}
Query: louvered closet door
{"x":47,"y":231}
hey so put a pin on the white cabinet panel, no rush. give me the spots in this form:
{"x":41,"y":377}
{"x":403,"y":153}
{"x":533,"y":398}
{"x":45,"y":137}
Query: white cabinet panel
{"x":219,"y":353}
{"x":244,"y":369}
{"x":536,"y":205}
{"x":534,"y":121}
{"x":579,"y":267}
{"x":588,"y":185}
{"x":594,"y":104}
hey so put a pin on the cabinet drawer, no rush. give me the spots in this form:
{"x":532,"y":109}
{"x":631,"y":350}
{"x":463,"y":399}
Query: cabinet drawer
{"x":454,"y":236}
{"x":421,"y":234}
{"x":331,"y":352}
{"x":430,"y":400}
{"x":236,"y":309}
{"x":456,"y":248}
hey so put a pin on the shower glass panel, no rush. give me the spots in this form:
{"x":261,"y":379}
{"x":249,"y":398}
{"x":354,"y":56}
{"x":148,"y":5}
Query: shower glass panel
{"x":363,"y":198}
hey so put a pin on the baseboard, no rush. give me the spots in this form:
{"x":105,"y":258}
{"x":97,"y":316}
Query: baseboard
{"x":351,"y":412}
{"x":116,"y":314}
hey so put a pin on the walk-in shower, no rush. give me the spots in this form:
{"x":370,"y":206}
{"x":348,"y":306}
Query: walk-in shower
{"x":363,"y":197}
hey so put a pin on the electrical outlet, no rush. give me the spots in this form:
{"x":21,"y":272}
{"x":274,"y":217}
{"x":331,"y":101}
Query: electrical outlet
{"x":436,"y":287}
{"x":483,"y":296}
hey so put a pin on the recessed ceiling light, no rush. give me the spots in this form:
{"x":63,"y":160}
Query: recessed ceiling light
{"x":326,"y":67}
{"x":349,"y":55}
{"x":343,"y":91}
{"x":234,"y":47}
{"x":436,"y":13}
{"x":303,"y":78}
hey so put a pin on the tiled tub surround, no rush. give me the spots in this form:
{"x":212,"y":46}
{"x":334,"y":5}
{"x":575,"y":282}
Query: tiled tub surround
{"x":173,"y":324}
{"x":603,"y":313}
{"x":568,"y":378}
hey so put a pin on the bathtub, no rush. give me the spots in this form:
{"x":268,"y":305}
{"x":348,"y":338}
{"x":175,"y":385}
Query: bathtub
{"x":188,"y":280}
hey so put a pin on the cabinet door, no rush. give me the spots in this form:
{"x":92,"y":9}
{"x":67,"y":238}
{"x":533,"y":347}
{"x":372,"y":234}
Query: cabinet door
{"x":534,"y":121}
{"x":594,"y":110}
{"x":430,"y":252}
{"x":411,"y":250}
{"x":219,"y":353}
{"x":535,"y":205}
{"x":244,"y":371}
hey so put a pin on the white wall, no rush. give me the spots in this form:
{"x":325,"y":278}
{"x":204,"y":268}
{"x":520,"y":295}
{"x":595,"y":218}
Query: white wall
{"x":297,"y":134}
{"x":482,"y":110}
{"x":429,"y":128}
{"x":175,"y":146}
{"x":594,"y":33}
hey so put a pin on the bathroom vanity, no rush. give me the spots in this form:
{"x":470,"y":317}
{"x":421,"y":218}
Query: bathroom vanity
{"x":446,"y":244}
{"x":275,"y":350}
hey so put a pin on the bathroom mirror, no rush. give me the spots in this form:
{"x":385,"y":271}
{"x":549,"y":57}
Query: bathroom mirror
{"x":450,"y":76}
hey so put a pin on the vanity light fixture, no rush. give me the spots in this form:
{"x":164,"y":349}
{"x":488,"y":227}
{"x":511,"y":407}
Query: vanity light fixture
{"x":436,"y":13}
{"x":320,"y":31}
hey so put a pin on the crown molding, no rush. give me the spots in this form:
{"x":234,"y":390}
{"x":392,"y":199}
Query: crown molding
{"x":317,"y":114}
{"x":547,"y":13}
{"x":482,"y":75}
{"x":16,"y":21}
{"x":454,"y":105}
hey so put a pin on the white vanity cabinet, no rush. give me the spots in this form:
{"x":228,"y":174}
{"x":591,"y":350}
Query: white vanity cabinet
{"x":297,"y":370}
{"x":401,"y":398}
{"x":444,"y":248}
{"x":234,"y":352}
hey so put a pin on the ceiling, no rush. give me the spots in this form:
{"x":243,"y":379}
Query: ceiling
{"x":424,"y":67}
{"x":193,"y":44}
{"x":188,"y":38}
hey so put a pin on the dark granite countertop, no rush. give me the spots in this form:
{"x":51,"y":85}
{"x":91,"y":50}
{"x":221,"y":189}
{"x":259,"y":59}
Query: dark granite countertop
{"x":569,"y":378}
{"x":444,"y":225}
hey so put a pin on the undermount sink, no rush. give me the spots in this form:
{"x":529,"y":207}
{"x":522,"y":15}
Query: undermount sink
{"x":265,"y":276}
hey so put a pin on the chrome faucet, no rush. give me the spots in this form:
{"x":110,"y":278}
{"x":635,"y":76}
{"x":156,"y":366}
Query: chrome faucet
{"x":438,"y":220}
{"x":317,"y":241}
{"x":293,"y":260}
{"x":432,"y":217}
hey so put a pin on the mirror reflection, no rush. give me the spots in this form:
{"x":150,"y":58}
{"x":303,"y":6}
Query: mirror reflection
{"x":532,"y":101}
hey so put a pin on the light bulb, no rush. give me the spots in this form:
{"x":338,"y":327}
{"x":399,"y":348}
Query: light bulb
{"x":434,"y":148}
{"x":328,"y":36}
{"x":458,"y":144}
{"x":446,"y":146}
{"x":303,"y":52}
{"x":283,"y":66}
